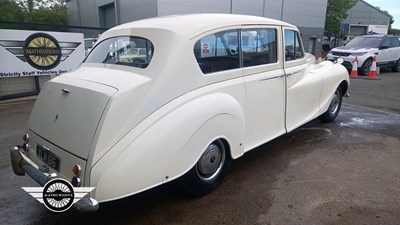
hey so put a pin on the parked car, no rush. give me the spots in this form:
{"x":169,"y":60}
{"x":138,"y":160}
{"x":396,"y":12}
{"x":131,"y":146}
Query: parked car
{"x":131,"y":55}
{"x":89,"y":43}
{"x":197,"y":101}
{"x":386,"y":48}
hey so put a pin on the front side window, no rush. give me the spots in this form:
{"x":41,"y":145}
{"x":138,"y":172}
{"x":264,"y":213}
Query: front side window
{"x":293,"y":50}
{"x":259,"y":46}
{"x":127,"y":51}
{"x":218,"y":52}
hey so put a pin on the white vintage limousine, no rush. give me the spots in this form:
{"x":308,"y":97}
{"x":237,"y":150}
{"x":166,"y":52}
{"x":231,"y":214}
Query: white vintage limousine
{"x":175,"y":98}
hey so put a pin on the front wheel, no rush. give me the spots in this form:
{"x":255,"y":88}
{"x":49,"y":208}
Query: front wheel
{"x":334,"y":107}
{"x":364,"y":70}
{"x":396,"y":68}
{"x":208,"y":172}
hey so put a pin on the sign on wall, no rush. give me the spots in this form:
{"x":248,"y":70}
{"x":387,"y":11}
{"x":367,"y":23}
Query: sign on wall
{"x":378,"y":29}
{"x":37,"y":53}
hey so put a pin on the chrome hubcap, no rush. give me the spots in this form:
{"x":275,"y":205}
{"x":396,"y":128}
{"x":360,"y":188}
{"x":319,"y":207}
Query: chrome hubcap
{"x":334,"y":106}
{"x":211,"y":162}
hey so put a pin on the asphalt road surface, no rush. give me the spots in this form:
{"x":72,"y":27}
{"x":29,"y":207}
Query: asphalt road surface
{"x":346,"y":172}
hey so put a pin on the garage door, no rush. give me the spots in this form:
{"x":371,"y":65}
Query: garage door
{"x":357,"y":30}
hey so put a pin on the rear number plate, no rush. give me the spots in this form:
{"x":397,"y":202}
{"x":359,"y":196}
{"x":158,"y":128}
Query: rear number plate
{"x":48,"y":157}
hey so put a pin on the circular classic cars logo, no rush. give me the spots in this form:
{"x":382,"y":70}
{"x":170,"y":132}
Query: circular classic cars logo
{"x":42,"y":51}
{"x":58,"y":195}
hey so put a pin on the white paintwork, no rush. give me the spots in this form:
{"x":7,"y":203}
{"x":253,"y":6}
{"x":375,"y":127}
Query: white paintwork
{"x":384,"y":57}
{"x":153,"y":124}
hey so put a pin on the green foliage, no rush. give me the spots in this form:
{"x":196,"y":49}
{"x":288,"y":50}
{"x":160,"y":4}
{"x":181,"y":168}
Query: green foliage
{"x":391,"y":29}
{"x":56,"y":15}
{"x":32,"y":11}
{"x":394,"y":31}
{"x":10,"y":11}
{"x":335,"y":14}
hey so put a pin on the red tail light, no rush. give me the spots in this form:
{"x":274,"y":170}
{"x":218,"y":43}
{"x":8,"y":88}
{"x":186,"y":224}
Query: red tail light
{"x":25,"y":147}
{"x":76,"y":170}
{"x":76,"y":182}
{"x":25,"y":138}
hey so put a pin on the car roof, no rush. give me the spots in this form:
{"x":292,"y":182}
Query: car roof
{"x":195,"y":24}
{"x":373,"y":35}
{"x":378,"y":35}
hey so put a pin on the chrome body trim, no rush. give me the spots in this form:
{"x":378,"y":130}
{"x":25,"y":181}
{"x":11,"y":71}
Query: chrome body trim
{"x":22,"y":164}
{"x":270,"y":78}
{"x":293,"y":73}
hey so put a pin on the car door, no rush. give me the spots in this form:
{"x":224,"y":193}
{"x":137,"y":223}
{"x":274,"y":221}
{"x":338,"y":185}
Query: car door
{"x":395,"y":49}
{"x":385,"y":53}
{"x":265,"y":83}
{"x":303,"y":89}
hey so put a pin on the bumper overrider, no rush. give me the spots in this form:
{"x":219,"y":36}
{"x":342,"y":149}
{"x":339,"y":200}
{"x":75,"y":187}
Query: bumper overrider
{"x":22,"y":164}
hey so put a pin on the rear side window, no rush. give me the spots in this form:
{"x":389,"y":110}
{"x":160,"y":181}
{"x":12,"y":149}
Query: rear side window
{"x":218,"y":52}
{"x":124,"y":50}
{"x":293,"y":49}
{"x":394,"y":42}
{"x":259,"y":46}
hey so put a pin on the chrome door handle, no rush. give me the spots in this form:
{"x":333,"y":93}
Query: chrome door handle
{"x":292,"y":73}
{"x":270,"y":78}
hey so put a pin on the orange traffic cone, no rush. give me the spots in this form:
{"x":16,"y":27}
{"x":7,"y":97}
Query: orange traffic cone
{"x":354,"y":72}
{"x":372,"y":75}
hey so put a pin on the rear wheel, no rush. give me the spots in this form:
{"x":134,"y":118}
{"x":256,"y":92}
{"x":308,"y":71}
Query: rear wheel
{"x":334,"y":107}
{"x":364,"y":70}
{"x":396,"y":68}
{"x":208,"y":172}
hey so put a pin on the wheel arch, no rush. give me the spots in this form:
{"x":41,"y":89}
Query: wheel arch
{"x":334,"y":76}
{"x":233,"y":140}
{"x":344,"y":85}
{"x":163,"y":151}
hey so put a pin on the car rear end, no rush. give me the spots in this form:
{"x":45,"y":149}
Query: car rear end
{"x":60,"y":131}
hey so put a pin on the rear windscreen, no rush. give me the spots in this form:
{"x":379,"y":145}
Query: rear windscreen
{"x":124,"y":50}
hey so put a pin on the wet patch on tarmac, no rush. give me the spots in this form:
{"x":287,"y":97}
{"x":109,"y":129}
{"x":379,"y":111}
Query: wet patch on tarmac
{"x":370,"y":120}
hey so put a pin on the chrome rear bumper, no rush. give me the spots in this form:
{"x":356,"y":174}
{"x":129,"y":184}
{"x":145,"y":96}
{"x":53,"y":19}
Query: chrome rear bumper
{"x":22,"y":164}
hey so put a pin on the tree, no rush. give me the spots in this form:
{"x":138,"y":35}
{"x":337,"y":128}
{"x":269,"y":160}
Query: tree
{"x":33,"y":11}
{"x":390,"y":29}
{"x":335,"y":14}
{"x":56,"y":14}
{"x":10,"y":11}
